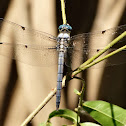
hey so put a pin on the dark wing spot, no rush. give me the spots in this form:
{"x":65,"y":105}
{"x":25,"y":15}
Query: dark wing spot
{"x":23,"y":27}
{"x":1,"y":43}
{"x":98,"y":50}
{"x":103,"y":31}
{"x":26,"y":46}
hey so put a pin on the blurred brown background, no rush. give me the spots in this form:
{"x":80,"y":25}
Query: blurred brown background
{"x":23,"y":87}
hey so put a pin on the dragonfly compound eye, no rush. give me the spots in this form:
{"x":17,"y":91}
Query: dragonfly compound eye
{"x":65,"y":27}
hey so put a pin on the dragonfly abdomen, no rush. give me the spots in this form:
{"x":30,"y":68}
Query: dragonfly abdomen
{"x":59,"y":78}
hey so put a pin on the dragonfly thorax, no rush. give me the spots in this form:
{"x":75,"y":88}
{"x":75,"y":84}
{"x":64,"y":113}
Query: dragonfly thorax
{"x":62,"y":41}
{"x":63,"y":35}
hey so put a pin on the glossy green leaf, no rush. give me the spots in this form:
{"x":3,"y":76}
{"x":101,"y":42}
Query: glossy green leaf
{"x":89,"y":124}
{"x":105,"y":113}
{"x":46,"y":124}
{"x":77,"y":92}
{"x":65,"y":113}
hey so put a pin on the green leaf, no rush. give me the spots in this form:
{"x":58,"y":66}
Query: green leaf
{"x":77,"y":92}
{"x":105,"y":113}
{"x":89,"y":124}
{"x":46,"y":124}
{"x":65,"y":113}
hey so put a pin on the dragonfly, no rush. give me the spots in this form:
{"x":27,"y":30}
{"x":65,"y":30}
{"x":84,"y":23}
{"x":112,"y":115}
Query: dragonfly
{"x":30,"y":44}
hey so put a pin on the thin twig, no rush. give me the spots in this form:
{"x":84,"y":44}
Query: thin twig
{"x":42,"y":104}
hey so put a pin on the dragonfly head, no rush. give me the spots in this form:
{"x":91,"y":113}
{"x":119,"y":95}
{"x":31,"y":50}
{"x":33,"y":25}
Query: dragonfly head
{"x":65,"y":28}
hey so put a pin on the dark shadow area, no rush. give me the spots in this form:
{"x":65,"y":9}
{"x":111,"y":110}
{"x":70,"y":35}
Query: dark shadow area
{"x":113,"y":90}
{"x":4,"y":7}
{"x":80,"y":15}
{"x":123,"y":19}
{"x":8,"y":93}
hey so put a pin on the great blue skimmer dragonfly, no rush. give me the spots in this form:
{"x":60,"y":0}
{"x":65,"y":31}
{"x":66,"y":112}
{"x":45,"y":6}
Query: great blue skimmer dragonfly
{"x":30,"y":44}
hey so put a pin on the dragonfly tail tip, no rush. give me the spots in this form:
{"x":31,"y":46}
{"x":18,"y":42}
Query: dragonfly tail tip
{"x":57,"y":107}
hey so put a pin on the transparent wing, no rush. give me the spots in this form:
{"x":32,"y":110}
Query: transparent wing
{"x":84,"y":46}
{"x":27,"y":45}
{"x":39,"y":48}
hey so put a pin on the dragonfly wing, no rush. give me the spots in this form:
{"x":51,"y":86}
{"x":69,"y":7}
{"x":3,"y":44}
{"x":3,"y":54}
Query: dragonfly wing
{"x":34,"y":55}
{"x":86,"y":45}
{"x":27,"y":45}
{"x":8,"y":28}
{"x":98,"y":39}
{"x":75,"y":53}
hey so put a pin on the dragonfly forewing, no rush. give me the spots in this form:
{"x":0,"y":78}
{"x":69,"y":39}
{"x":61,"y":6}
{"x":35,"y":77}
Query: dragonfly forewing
{"x":27,"y":45}
{"x":86,"y":45}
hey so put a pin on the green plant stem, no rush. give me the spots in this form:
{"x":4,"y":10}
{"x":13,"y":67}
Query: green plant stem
{"x":105,"y":57}
{"x":63,"y":12}
{"x":42,"y":104}
{"x":82,"y":90}
{"x":83,"y":66}
{"x":81,"y":96}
